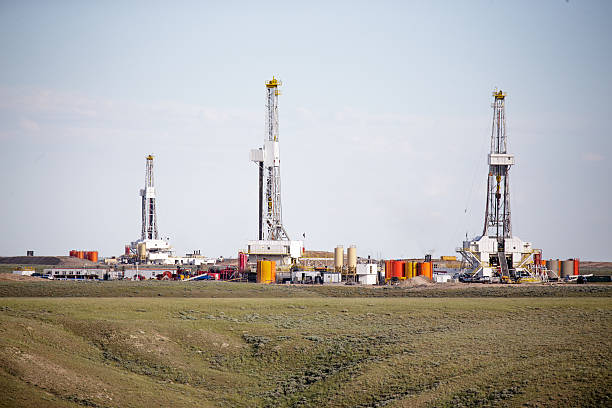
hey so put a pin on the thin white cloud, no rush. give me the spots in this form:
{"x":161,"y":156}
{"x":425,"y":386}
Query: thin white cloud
{"x":592,"y":157}
{"x":29,"y":125}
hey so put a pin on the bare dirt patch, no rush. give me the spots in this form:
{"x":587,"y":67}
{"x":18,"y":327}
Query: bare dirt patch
{"x":11,"y":277}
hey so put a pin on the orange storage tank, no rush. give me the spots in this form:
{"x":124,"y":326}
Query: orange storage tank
{"x":387,"y":270}
{"x":397,"y":269}
{"x":273,"y":277}
{"x":576,"y":266}
{"x":93,"y":256}
{"x":80,"y":255}
{"x":427,"y":270}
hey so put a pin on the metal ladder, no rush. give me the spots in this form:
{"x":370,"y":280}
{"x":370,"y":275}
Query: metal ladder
{"x":503,"y":263}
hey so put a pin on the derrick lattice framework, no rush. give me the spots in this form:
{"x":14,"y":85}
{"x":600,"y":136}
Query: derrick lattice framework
{"x":497,"y":214}
{"x":149,"y":216}
{"x":272,"y":218}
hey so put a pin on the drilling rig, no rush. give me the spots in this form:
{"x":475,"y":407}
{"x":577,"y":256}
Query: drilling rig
{"x":273,"y":242}
{"x":497,"y":255}
{"x":149,"y":215}
{"x":149,"y":248}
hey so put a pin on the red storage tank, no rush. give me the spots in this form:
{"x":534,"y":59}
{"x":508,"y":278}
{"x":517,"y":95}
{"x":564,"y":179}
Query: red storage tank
{"x":537,"y":259}
{"x":242,"y":261}
{"x":419,"y":268}
{"x":387,"y":270}
{"x":72,"y":252}
{"x":576,"y":266}
{"x":397,"y":269}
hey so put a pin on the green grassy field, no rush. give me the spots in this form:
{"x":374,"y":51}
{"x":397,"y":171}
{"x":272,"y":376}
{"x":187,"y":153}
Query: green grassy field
{"x":308,"y":348}
{"x":205,"y":289}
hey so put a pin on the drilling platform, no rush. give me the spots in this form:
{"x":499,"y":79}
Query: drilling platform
{"x":149,"y":248}
{"x":497,"y":255}
{"x":273,"y":242}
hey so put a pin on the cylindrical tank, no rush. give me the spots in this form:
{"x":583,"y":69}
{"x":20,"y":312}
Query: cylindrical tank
{"x":351,"y":255}
{"x":264,"y":271}
{"x":338,"y":257}
{"x":93,"y":256}
{"x":142,"y":251}
{"x":273,"y":272}
{"x":543,"y":262}
{"x":567,"y":268}
{"x":387,"y":270}
{"x":397,"y":269}
{"x":427,"y":270}
{"x":553,"y":265}
{"x":537,"y":259}
{"x":242,"y":261}
{"x":419,"y":268}
{"x":80,"y":255}
{"x":409,"y":270}
{"x":576,"y":266}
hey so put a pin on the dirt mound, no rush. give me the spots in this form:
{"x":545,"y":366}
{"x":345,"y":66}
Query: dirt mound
{"x":31,"y":260}
{"x":46,"y":260}
{"x":417,"y":281}
{"x":72,"y":261}
{"x":318,"y":254}
{"x":15,"y":277}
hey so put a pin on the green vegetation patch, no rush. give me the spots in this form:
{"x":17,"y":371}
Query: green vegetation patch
{"x":318,"y":352}
{"x":204,"y":289}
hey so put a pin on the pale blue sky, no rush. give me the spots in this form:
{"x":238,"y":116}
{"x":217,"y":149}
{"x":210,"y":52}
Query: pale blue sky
{"x":384,"y":122}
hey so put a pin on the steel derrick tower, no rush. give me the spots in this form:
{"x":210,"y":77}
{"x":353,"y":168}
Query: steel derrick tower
{"x":497,"y":222}
{"x":268,"y":161}
{"x":149,"y":216}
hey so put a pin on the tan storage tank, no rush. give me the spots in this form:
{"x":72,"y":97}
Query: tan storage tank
{"x":338,"y":258}
{"x":142,"y":251}
{"x":351,"y":254}
{"x":553,"y":265}
{"x":567,"y":268}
